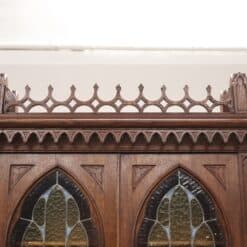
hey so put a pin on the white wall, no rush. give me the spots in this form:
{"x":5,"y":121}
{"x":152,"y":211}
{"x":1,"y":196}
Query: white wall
{"x":152,"y":69}
{"x":128,"y":23}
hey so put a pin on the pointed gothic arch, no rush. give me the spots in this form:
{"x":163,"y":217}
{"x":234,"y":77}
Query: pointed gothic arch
{"x":55,"y":211}
{"x":180,"y":211}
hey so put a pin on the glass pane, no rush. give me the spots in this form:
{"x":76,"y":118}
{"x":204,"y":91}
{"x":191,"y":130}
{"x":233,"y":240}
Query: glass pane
{"x":78,"y":237}
{"x":196,"y":213}
{"x":73,"y":212}
{"x":163,"y":212}
{"x":158,"y":237}
{"x":204,"y":237}
{"x":59,"y":217}
{"x":32,"y":235}
{"x":185,"y":216}
{"x":55,"y":216}
{"x":39,"y":212}
{"x":180,"y":217}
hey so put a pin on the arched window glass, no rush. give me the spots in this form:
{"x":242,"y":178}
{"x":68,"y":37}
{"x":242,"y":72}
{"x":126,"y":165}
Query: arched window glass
{"x":180,"y":213}
{"x":55,"y":213}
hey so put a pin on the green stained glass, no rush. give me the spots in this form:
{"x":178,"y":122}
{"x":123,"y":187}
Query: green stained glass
{"x":163,"y":213}
{"x":32,"y":234}
{"x":59,"y":215}
{"x":196,"y":213}
{"x":55,"y":216}
{"x":180,"y":217}
{"x":204,"y":237}
{"x":73,"y":212}
{"x":158,"y":237}
{"x":78,"y":237}
{"x":39,"y":212}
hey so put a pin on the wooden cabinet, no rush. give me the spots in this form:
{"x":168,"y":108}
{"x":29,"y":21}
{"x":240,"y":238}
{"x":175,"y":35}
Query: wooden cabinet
{"x":96,"y":176}
{"x":216,"y":174}
{"x":118,"y":189}
{"x":124,"y":179}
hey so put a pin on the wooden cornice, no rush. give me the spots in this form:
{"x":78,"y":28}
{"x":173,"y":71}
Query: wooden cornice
{"x":119,"y":130}
{"x":123,"y":120}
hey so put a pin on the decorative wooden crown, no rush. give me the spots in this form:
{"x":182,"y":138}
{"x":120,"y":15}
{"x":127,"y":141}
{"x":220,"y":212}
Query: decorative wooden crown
{"x":232,"y":100}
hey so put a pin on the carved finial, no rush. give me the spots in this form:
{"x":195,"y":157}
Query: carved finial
{"x":209,"y":89}
{"x":163,"y":88}
{"x":118,"y":88}
{"x":3,"y":79}
{"x":27,"y":88}
{"x":238,"y":91}
{"x":50,"y":88}
{"x":141,"y":88}
{"x":238,"y":78}
{"x":96,"y":87}
{"x":6,"y":95}
{"x":186,"y":89}
{"x":72,"y":88}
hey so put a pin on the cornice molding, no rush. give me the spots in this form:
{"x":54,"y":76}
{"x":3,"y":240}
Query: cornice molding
{"x":117,"y":135}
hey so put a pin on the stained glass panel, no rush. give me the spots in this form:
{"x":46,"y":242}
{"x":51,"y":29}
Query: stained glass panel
{"x":158,"y":236}
{"x":59,"y":217}
{"x":78,"y":236}
{"x":180,"y":214}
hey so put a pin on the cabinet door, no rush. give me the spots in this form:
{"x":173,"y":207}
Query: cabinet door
{"x":58,"y":200}
{"x":180,"y":200}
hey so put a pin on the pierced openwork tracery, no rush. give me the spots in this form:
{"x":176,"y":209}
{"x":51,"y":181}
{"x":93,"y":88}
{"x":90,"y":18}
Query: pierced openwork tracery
{"x":232,"y":100}
{"x":55,"y":213}
{"x":180,"y":214}
{"x":118,"y":103}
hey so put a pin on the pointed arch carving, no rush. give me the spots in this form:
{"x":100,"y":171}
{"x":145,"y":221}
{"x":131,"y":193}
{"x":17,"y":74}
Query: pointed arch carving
{"x":56,"y":210}
{"x":180,"y":212}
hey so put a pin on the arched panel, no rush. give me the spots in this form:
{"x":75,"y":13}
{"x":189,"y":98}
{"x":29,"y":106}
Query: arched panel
{"x":180,"y":212}
{"x":55,"y":213}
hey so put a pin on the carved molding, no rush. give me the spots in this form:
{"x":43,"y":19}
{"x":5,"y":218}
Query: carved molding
{"x":96,"y":172}
{"x":17,"y":171}
{"x":219,"y":172}
{"x":119,"y":134}
{"x":139,"y":172}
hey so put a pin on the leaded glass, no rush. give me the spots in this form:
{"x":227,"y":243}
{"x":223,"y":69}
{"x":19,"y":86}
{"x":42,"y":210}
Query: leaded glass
{"x":60,"y":216}
{"x":180,"y":214}
{"x":158,"y":236}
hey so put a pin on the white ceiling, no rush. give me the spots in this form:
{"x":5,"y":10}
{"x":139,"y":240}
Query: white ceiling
{"x":128,"y":23}
{"x":116,"y":57}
